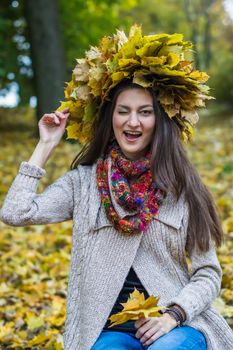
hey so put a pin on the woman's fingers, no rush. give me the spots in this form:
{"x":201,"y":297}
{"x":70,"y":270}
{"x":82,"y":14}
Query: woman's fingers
{"x":149,"y":331}
{"x":54,"y":118}
{"x":59,"y":114}
{"x":62,"y":115}
{"x":52,"y":126}
{"x":50,"y":119}
{"x":65,"y":110}
{"x":154,"y":337}
{"x":141,"y":321}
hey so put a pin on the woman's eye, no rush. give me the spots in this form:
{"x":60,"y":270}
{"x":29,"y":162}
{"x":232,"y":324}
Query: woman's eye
{"x":146,"y":112}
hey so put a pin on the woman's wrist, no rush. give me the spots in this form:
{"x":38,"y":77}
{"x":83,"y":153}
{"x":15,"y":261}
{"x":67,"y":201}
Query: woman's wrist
{"x":42,"y":153}
{"x":181,"y":310}
{"x":177,"y":313}
{"x":170,"y":319}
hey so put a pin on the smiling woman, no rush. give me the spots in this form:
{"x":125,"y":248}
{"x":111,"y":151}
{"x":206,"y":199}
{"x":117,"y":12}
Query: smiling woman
{"x":134,"y":121}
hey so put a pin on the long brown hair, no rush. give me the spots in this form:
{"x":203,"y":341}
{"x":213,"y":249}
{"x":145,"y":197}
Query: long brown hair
{"x":170,"y":167}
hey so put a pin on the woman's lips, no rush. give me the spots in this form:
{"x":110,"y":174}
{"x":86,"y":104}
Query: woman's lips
{"x":132,"y":136}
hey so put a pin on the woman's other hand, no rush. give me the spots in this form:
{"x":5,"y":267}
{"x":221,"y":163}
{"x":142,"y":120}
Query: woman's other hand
{"x":151,"y":328}
{"x":52,"y":126}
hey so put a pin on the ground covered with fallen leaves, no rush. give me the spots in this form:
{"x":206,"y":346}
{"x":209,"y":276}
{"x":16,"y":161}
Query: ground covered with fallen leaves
{"x":34,"y":260}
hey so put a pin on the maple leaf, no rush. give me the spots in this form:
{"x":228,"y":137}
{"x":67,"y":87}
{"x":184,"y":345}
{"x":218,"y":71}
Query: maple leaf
{"x":136,"y":307}
{"x":81,"y":71}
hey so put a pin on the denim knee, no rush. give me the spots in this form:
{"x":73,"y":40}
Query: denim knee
{"x":180,"y":338}
{"x":113,"y":340}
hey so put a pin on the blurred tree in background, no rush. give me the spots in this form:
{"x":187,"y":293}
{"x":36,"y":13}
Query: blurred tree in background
{"x":33,"y":41}
{"x":47,"y":52}
{"x":82,"y":23}
{"x":222,"y":63}
{"x":15,"y":62}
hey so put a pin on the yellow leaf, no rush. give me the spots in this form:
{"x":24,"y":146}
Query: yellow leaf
{"x":81,"y":92}
{"x":75,"y":107}
{"x":23,"y":335}
{"x":140,"y":79}
{"x":81,"y":71}
{"x":191,"y":116}
{"x":58,"y":346}
{"x":166,"y":98}
{"x":116,"y":77}
{"x":148,"y":49}
{"x":57,"y":321}
{"x":39,"y":339}
{"x":167,"y":71}
{"x":124,"y":62}
{"x":135,"y":31}
{"x":120,"y":38}
{"x":128,"y":50}
{"x":135,"y":300}
{"x":173,"y":59}
{"x":4,"y":288}
{"x":78,"y":131}
{"x":175,"y":39}
{"x":97,"y":73}
{"x":136,"y":307}
{"x":34,"y":322}
{"x":58,"y":304}
{"x":162,"y":38}
{"x":6,"y":330}
{"x":153,"y":61}
{"x":172,"y":110}
{"x":107,"y":46}
{"x":200,"y":76}
{"x":93,"y":54}
{"x":70,"y":87}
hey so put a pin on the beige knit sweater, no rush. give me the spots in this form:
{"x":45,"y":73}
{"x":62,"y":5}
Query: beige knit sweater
{"x":101,"y":256}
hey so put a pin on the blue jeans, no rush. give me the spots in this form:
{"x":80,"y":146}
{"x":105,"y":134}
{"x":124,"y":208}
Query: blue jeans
{"x":181,"y":338}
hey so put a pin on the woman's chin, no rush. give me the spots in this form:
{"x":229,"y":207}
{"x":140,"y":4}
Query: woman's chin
{"x":132,"y":154}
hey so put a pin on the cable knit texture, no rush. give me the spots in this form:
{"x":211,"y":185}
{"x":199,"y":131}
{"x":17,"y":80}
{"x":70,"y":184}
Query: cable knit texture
{"x":101,"y":256}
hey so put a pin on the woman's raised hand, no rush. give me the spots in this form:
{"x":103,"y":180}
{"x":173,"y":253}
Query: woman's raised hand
{"x":52,"y":126}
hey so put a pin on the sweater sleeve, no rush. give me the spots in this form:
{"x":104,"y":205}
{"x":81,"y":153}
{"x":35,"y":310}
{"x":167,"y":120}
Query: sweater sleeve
{"x":204,"y":283}
{"x":23,"y":206}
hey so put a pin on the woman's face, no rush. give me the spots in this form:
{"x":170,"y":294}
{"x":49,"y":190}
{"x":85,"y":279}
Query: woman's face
{"x":133,"y":122}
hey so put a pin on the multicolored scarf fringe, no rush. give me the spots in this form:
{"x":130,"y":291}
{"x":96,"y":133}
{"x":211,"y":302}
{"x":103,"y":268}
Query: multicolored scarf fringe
{"x":133,"y":188}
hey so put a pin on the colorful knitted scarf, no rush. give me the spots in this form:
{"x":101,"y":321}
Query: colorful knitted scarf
{"x":132,"y":187}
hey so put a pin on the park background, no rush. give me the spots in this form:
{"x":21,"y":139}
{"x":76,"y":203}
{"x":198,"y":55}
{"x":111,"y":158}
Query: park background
{"x":38,"y":46}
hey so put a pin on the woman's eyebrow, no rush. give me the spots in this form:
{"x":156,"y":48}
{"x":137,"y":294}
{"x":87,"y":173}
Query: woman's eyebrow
{"x":127,"y":107}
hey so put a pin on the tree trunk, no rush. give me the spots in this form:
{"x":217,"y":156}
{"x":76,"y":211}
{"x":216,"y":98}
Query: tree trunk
{"x":207,"y":33}
{"x":47,"y":53}
{"x":192,"y":19}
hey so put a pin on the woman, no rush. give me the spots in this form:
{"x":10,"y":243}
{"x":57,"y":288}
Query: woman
{"x":137,"y":207}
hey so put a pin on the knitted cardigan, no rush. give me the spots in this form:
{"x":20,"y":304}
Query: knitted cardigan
{"x":101,"y":257}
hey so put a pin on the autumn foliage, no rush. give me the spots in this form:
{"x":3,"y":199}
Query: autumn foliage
{"x":159,"y":61}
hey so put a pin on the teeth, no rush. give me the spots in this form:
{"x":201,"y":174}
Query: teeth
{"x":133,"y":132}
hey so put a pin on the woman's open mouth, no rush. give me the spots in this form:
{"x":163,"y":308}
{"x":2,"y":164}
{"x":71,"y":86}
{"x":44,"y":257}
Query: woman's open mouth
{"x":132,"y":135}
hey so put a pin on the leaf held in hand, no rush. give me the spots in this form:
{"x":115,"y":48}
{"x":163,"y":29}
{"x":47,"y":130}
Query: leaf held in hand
{"x":136,"y":307}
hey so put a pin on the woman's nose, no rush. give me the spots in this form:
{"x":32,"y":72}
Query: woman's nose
{"x":133,"y":120}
